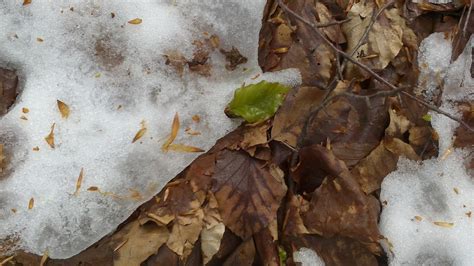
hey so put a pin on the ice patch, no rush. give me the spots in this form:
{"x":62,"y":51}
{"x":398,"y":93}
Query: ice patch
{"x":113,"y":76}
{"x":307,"y":257}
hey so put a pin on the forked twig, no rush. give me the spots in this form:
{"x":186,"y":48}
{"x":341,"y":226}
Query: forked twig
{"x":367,"y":69}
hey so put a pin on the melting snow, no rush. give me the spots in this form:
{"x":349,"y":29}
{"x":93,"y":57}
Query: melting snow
{"x":427,"y":211}
{"x":112,"y":75}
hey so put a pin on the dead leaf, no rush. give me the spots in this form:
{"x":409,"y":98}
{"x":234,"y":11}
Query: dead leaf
{"x":135,"y":21}
{"x":140,"y":132}
{"x":341,"y":207}
{"x":63,"y":109}
{"x":213,"y":229}
{"x":353,"y":127}
{"x":26,"y":2}
{"x":176,"y":60}
{"x":174,"y":133}
{"x":31,"y":203}
{"x":371,"y":170}
{"x":234,"y":58}
{"x":36,"y":148}
{"x":79,"y":182}
{"x":238,"y":178}
{"x":50,"y":138}
{"x":142,"y":241}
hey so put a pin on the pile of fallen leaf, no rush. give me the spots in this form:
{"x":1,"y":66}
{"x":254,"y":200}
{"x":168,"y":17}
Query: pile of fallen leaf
{"x":310,"y":176}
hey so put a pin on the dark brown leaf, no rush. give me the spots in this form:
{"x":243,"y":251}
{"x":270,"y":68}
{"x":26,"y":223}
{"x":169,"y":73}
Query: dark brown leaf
{"x":234,"y":58}
{"x":248,"y":192}
{"x":339,"y":206}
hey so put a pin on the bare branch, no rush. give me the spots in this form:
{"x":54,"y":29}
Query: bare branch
{"x":367,"y":69}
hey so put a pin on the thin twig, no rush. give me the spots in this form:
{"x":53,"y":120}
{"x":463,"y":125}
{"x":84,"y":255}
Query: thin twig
{"x":332,"y":23}
{"x":367,"y":69}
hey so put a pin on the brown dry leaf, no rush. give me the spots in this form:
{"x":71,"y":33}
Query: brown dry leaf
{"x":31,"y":203}
{"x":234,"y":58}
{"x":292,"y":115}
{"x":213,"y":230}
{"x":371,"y":170}
{"x":26,"y":2}
{"x":183,"y":148}
{"x":339,"y":206}
{"x":174,"y":133}
{"x":79,"y":182}
{"x":140,"y":132}
{"x":63,"y":109}
{"x":142,"y":241}
{"x":353,"y":127}
{"x":399,"y":124}
{"x":135,"y":21}
{"x":6,"y":260}
{"x":50,"y":138}
{"x":248,"y":192}
{"x":293,"y":223}
{"x":36,"y":148}
{"x":242,"y":255}
{"x":301,"y":48}
{"x":8,"y":89}
{"x":185,"y":232}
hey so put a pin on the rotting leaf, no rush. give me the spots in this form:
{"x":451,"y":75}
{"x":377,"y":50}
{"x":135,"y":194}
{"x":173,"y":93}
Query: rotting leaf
{"x":140,"y":132}
{"x":79,"y":182}
{"x":234,"y":58}
{"x":135,"y":21}
{"x":50,"y":138}
{"x":257,"y":102}
{"x":63,"y":109}
{"x":248,"y":192}
{"x":174,"y":133}
{"x":176,"y":60}
{"x":31,"y":203}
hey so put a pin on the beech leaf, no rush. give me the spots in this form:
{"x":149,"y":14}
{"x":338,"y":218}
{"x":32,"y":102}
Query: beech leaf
{"x":257,"y":102}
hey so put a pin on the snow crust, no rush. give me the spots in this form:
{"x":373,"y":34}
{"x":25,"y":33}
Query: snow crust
{"x":54,"y":46}
{"x":427,"y":206}
{"x":308,"y":257}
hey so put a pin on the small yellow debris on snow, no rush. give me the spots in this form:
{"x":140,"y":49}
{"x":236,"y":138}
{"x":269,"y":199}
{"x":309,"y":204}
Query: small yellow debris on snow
{"x":79,"y":181}
{"x":36,"y":148}
{"x":25,"y":110}
{"x":39,"y":39}
{"x":135,"y":21}
{"x":444,"y":224}
{"x":23,"y":117}
{"x":50,"y":138}
{"x":140,"y":132}
{"x":63,"y":109}
{"x":418,"y":218}
{"x":31,"y":203}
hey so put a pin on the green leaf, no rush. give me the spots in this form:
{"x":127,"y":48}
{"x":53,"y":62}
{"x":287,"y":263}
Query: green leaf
{"x":283,"y":256}
{"x":257,"y":102}
{"x":427,"y":118}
